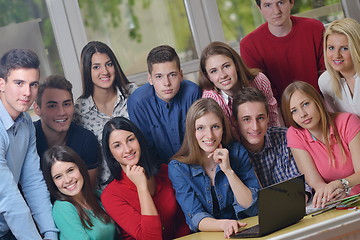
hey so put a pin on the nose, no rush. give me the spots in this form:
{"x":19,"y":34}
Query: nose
{"x":105,"y":70}
{"x":276,"y":9}
{"x":209,"y":133}
{"x":255,"y":125}
{"x":223,"y":74}
{"x":67,"y":178}
{"x":166,"y":81}
{"x":61,"y":110}
{"x":27,"y":90}
{"x":127,"y":148}
{"x":303,"y":113}
{"x":338,"y":53}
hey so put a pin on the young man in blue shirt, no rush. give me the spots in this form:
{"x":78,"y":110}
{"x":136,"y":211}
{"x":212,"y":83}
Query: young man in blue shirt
{"x":267,"y":147}
{"x":19,"y":161}
{"x":55,"y":106}
{"x":159,"y":107}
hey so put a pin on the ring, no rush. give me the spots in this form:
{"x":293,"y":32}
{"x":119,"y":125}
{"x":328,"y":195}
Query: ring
{"x":220,"y":153}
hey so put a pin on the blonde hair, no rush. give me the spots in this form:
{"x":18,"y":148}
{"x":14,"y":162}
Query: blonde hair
{"x":190,"y":151}
{"x":351,"y":29}
{"x":326,"y":118}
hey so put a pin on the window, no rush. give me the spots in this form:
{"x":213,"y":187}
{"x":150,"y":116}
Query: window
{"x":133,"y":28}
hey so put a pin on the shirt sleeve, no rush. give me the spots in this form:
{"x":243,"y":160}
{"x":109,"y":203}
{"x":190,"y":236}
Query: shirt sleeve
{"x":295,"y":139}
{"x":35,"y":190}
{"x":140,"y":227}
{"x":263,"y":84}
{"x":17,"y":218}
{"x":186,"y":196}
{"x":245,"y":171}
{"x":68,"y":221}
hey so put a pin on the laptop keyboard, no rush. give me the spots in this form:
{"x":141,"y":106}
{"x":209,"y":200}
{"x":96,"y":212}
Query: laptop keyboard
{"x":251,"y":231}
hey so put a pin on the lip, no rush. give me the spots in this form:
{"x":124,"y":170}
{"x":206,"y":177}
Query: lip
{"x":130,"y":156}
{"x":225,"y":82}
{"x":61,"y":120}
{"x":169,"y":91}
{"x":71,"y":187}
{"x":307,"y":121}
{"x":338,"y":62}
{"x":254,"y":134}
{"x":209,"y":143}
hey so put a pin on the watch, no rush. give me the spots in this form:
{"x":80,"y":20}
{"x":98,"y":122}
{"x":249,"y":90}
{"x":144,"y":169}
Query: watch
{"x":345,"y":184}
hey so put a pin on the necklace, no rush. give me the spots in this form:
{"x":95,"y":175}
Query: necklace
{"x":213,"y":168}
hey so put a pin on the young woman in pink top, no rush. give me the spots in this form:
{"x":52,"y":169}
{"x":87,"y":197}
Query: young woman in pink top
{"x":326,"y":146}
{"x":223,"y":73}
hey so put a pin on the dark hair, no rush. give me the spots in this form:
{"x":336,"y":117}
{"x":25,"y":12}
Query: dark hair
{"x":150,"y":165}
{"x":87,"y":52}
{"x":18,"y":58}
{"x":161,"y":54}
{"x":248,"y":94}
{"x":244,"y":74}
{"x":66,"y":154}
{"x":258,"y":2}
{"x":54,"y":82}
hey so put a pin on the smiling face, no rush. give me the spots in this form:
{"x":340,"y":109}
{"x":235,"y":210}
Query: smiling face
{"x":276,"y":12}
{"x":102,"y":71}
{"x":68,"y":179}
{"x":252,"y":120}
{"x":338,"y":54}
{"x":166,"y":78}
{"x":20,"y":90}
{"x":304,"y":111}
{"x":222,"y":73}
{"x":124,"y":147}
{"x":208,"y":132}
{"x":56,"y":111}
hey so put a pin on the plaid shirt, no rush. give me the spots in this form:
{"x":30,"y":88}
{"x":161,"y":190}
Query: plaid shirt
{"x":275,"y":162}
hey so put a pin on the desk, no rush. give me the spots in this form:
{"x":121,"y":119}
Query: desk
{"x":334,"y":224}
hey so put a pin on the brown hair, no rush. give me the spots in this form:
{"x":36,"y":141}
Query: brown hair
{"x":326,"y":117}
{"x":190,"y":151}
{"x":245,"y":75}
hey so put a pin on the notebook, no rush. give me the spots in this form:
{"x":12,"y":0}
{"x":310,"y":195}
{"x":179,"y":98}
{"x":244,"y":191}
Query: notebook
{"x":280,"y":205}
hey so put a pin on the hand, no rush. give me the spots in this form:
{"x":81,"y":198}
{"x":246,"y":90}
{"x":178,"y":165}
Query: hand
{"x":327,"y":192}
{"x":136,"y":174}
{"x":230,"y":226}
{"x":221,"y":157}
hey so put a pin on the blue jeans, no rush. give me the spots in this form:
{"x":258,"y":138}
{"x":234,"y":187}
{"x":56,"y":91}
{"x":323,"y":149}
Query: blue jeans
{"x":8,"y":236}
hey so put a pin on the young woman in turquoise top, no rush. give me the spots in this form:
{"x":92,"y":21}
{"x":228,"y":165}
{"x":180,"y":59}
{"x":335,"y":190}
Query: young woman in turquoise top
{"x":77,"y":212}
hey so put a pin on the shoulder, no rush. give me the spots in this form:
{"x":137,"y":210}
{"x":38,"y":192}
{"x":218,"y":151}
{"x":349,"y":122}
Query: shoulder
{"x":236,"y":149}
{"x":308,"y":21}
{"x":188,"y":87}
{"x":62,"y":206}
{"x":344,"y":119}
{"x":80,"y":132}
{"x":132,"y":87}
{"x":325,"y":80}
{"x":277,"y":134}
{"x":175,"y":165}
{"x":248,"y":39}
{"x":144,"y":92}
{"x":210,"y":94}
{"x":83,"y":105}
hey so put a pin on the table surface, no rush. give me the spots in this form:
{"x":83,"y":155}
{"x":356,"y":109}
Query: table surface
{"x":306,"y":221}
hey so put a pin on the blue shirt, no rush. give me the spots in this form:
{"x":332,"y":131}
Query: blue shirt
{"x":79,"y":139}
{"x":162,"y":123}
{"x":193,"y":188}
{"x":20,"y":164}
{"x":275,"y":162}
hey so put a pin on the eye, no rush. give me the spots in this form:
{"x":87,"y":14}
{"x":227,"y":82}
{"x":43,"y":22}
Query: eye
{"x":70,"y":170}
{"x":330,"y":48}
{"x":109,"y":64}
{"x":173,"y":75}
{"x":68,"y":104}
{"x":95,"y":67}
{"x":344,"y":48}
{"x":51,"y":106}
{"x":293,"y":111}
{"x":132,"y":139}
{"x":199,"y":128}
{"x":57,"y":177}
{"x":267,"y":5}
{"x":213,"y":71}
{"x":246,"y":119}
{"x":281,"y":3}
{"x":116,"y":146}
{"x":34,"y":84}
{"x":19,"y":83}
{"x":158,"y":76}
{"x":306,"y":104}
{"x":216,"y":127}
{"x":227,"y":65}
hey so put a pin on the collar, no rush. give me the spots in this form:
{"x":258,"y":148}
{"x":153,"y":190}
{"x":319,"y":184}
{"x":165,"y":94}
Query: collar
{"x":225,"y":96}
{"x":88,"y":104}
{"x":6,"y":118}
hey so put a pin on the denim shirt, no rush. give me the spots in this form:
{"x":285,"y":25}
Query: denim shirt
{"x":193,"y":188}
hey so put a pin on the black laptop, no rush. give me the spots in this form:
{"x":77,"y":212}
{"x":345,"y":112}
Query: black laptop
{"x":280,"y":205}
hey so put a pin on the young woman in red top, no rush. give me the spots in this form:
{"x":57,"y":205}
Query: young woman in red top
{"x":140,"y":199}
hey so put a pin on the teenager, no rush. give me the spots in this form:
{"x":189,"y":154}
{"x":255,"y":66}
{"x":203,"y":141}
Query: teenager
{"x":140,"y":199}
{"x":214,"y":181}
{"x":326,"y":146}
{"x":77,"y":211}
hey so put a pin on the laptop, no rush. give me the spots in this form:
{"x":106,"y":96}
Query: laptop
{"x":280,"y":205}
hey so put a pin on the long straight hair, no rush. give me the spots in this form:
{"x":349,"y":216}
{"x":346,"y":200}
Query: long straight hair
{"x":326,"y":117}
{"x":245,"y":75}
{"x":190,"y":151}
{"x":66,"y":154}
{"x":351,"y":29}
{"x":121,"y":81}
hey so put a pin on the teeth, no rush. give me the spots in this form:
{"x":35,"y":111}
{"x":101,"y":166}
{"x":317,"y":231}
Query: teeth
{"x":70,"y":186}
{"x":130,"y":156}
{"x":61,"y":121}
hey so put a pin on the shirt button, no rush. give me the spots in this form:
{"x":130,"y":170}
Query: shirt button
{"x":209,"y":202}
